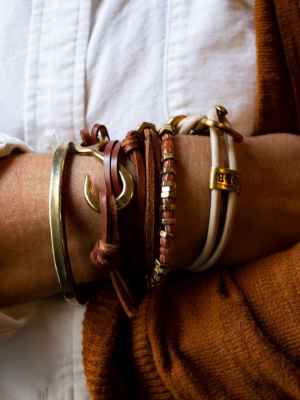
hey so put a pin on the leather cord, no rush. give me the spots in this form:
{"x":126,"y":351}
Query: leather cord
{"x":231,"y":207}
{"x":210,"y":253}
{"x":149,"y":225}
{"x":106,"y":254}
{"x":133,"y":147}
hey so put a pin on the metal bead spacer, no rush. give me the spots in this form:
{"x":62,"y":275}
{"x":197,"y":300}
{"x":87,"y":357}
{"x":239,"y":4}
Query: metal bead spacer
{"x":146,"y":125}
{"x":167,"y":235}
{"x":168,"y":189}
{"x":168,"y":221}
{"x":166,"y":128}
{"x":168,"y":184}
{"x":167,"y":207}
{"x":168,"y":170}
{"x":169,"y":156}
{"x":160,"y":265}
{"x":165,"y":195}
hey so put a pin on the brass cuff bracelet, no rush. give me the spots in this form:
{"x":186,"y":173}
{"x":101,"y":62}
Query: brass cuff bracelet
{"x":72,"y":293}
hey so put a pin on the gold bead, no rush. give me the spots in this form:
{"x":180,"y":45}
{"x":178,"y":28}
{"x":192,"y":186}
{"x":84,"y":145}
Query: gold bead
{"x":146,"y":125}
{"x":165,"y":195}
{"x":168,"y":189}
{"x":167,"y":235}
{"x":166,"y":128}
{"x":168,"y":170}
{"x":168,"y":184}
{"x":160,"y":265}
{"x":168,"y":221}
{"x":167,"y":207}
{"x":169,"y":156}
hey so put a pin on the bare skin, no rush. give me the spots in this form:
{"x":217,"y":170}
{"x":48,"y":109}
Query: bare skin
{"x":266,"y":220}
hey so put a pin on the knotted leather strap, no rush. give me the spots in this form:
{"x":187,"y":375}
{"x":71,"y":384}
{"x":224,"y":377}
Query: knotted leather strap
{"x":89,"y":139}
{"x":106,"y":254}
{"x":112,"y":156}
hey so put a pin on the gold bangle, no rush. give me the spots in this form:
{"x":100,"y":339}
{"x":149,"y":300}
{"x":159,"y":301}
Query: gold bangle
{"x":57,"y":227}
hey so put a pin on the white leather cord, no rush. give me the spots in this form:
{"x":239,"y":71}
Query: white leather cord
{"x":230,"y":212}
{"x":209,"y":255}
{"x":186,"y":125}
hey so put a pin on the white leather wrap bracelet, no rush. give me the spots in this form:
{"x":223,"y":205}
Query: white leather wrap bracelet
{"x":222,"y":178}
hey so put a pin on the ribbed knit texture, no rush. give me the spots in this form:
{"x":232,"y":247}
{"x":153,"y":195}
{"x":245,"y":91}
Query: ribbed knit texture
{"x":278,"y":66}
{"x":231,"y":333}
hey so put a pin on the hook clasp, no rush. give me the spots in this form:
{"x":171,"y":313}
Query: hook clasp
{"x":124,"y":197}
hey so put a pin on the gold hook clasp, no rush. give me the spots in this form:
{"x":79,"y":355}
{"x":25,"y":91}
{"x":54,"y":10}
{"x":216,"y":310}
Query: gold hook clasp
{"x":124,"y":197}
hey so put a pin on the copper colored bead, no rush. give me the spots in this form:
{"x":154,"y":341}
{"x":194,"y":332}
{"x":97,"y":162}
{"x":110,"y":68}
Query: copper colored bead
{"x":167,"y":150}
{"x":164,"y":242}
{"x":170,"y":228}
{"x":169,"y":177}
{"x":164,"y":259}
{"x":168,"y":143}
{"x":165,"y":251}
{"x":167,"y":201}
{"x":169,"y":163}
{"x":166,"y":136}
{"x":167,"y":214}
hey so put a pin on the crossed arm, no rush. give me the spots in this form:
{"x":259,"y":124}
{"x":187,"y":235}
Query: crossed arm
{"x":266,"y":220}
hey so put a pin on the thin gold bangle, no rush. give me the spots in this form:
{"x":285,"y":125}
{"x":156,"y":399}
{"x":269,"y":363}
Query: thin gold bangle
{"x":70,"y":290}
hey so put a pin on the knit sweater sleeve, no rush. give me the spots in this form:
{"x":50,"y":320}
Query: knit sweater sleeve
{"x":226,"y":333}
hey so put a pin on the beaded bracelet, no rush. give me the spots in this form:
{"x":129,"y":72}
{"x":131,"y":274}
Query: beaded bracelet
{"x":167,"y":207}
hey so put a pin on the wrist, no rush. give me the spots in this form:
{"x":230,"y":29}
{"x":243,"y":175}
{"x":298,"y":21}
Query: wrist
{"x":83,"y":225}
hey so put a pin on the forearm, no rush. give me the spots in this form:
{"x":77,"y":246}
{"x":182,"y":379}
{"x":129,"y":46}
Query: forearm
{"x":268,"y":208}
{"x":266,"y":219}
{"x":27,"y":269}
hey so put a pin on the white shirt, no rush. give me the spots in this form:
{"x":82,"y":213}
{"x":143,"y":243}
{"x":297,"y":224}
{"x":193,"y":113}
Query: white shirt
{"x":68,"y":64}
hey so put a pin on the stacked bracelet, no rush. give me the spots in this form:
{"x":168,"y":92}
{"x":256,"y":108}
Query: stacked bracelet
{"x":72,"y":293}
{"x":221,"y":178}
{"x":142,"y":146}
{"x":167,"y":207}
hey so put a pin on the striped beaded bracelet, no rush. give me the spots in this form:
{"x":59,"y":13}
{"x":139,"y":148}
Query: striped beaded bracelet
{"x":167,"y":207}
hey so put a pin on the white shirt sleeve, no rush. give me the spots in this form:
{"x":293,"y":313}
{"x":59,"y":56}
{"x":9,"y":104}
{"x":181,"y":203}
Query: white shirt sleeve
{"x":10,"y":143}
{"x":14,"y":317}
